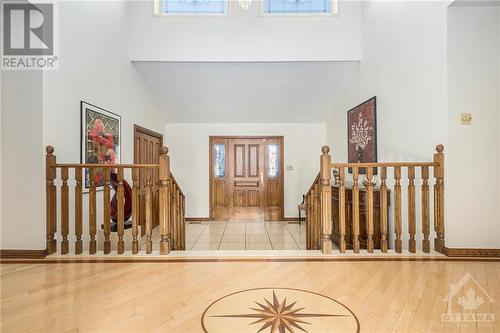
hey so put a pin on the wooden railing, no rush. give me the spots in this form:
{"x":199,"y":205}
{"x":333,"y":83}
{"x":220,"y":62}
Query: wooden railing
{"x":319,"y":205}
{"x":171,"y":205}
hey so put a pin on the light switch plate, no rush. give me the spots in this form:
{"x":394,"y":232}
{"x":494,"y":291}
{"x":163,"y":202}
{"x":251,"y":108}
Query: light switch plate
{"x":465,"y":118}
{"x":289,"y":168}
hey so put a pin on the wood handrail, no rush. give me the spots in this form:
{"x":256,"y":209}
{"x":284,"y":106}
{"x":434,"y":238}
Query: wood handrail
{"x":405,"y":226}
{"x":169,"y":198}
{"x":172,"y":178}
{"x":313,"y":183}
{"x":384,"y":164}
{"x":106,"y":166}
{"x":117,"y":166}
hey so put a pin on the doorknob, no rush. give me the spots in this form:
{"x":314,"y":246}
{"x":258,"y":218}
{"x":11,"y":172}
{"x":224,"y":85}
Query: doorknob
{"x":261,"y":177}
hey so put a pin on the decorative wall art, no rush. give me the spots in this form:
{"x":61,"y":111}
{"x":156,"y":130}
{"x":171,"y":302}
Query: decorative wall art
{"x":100,"y":140}
{"x":362,"y":133}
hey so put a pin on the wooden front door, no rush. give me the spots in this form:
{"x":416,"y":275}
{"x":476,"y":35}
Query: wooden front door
{"x":147,"y":146}
{"x":246,"y":178}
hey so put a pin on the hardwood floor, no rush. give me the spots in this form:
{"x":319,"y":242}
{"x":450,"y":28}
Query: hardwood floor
{"x":171,"y":297}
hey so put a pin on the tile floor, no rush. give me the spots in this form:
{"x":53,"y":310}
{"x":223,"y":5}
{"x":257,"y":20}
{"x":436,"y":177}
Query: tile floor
{"x":245,"y":235}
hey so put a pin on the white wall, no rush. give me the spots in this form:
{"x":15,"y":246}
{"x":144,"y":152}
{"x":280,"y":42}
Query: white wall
{"x":473,"y":154}
{"x":406,"y":57}
{"x":189,"y":151}
{"x":245,"y":36}
{"x":404,"y":65}
{"x":22,"y":174}
{"x":94,"y":67}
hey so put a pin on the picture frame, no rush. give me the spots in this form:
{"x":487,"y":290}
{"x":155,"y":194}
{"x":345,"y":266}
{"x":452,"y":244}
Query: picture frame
{"x":362,"y":134}
{"x":100,"y":140}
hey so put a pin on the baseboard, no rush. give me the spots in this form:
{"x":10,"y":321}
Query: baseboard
{"x":294,"y":219}
{"x":23,"y":254}
{"x":197,"y":219}
{"x":470,"y":252}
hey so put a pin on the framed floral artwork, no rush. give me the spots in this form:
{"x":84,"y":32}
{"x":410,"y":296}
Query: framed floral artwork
{"x":100,"y":140}
{"x":362,"y":133}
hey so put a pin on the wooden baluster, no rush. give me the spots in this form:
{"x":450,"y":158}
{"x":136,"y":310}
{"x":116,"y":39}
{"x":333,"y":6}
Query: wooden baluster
{"x":183,"y":222}
{"x":397,"y":209}
{"x":178,"y":219}
{"x":312,"y":199}
{"x":171,"y":214}
{"x":149,"y":217}
{"x":135,"y":210}
{"x":51,"y":200}
{"x":64,"y":211}
{"x":173,"y":204}
{"x":426,"y":246}
{"x":412,"y":215}
{"x":106,"y":217}
{"x":164,"y":204}
{"x":326,"y":201}
{"x":369,"y":212}
{"x":342,"y":244}
{"x":317,"y":218}
{"x":313,"y":217}
{"x":78,"y":211}
{"x":355,"y":210}
{"x":383,"y":209}
{"x":439,"y":199}
{"x":120,"y":201}
{"x":92,"y":212}
{"x":308,"y":221}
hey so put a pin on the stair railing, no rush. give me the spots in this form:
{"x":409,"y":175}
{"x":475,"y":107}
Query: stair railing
{"x":171,"y":206}
{"x":319,"y":205}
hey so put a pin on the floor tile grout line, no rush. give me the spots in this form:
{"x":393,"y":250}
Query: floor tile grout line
{"x":295,"y":241}
{"x":268,"y":236}
{"x":199,"y":235}
{"x":220,"y":242}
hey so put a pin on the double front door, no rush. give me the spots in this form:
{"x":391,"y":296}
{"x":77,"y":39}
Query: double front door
{"x":246,"y":178}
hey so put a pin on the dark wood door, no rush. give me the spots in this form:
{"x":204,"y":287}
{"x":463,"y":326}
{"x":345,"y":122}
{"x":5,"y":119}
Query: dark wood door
{"x":246,"y":178}
{"x":147,"y":146}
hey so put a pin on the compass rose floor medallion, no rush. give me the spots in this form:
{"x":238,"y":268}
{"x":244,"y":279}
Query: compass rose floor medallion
{"x":277,"y":310}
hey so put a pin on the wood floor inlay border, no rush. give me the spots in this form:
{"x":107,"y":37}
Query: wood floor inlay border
{"x":278,"y":310}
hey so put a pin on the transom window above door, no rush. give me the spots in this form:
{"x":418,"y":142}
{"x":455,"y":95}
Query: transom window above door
{"x":192,"y":7}
{"x":283,"y":7}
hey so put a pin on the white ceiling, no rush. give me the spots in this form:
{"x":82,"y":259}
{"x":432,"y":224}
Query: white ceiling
{"x":260,"y":92}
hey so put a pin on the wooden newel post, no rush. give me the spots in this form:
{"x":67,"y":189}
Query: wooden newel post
{"x":164,"y":205}
{"x":439,"y":199}
{"x":326,"y":201}
{"x":51,"y":199}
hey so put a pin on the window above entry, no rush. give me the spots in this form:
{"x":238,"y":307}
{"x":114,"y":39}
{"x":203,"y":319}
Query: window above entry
{"x":192,"y":7}
{"x":300,"y":7}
